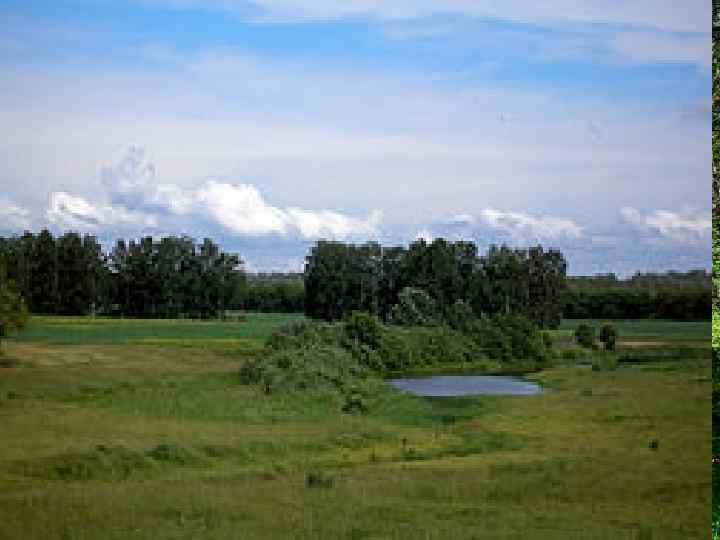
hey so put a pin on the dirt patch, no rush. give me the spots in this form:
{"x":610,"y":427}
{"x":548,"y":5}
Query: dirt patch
{"x":623,"y":343}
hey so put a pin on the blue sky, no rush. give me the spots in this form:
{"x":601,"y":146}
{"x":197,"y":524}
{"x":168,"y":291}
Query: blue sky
{"x":268,"y":124}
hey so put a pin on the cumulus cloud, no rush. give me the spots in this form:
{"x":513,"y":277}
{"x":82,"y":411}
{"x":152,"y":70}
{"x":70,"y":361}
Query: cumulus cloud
{"x":13,"y":217}
{"x":529,"y":227}
{"x":71,"y":212}
{"x":670,"y":225}
{"x":239,"y":209}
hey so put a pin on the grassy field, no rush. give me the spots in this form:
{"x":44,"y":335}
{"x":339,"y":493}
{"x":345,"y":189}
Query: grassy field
{"x":647,"y":330}
{"x":113,"y":331}
{"x":111,"y":437}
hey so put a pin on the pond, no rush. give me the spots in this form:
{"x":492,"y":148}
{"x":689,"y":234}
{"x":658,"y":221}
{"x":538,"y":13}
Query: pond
{"x":466,"y":385}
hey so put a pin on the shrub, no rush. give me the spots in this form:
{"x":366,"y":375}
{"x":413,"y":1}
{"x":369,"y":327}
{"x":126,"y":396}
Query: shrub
{"x":318,"y":479}
{"x":460,"y":316}
{"x":13,"y":311}
{"x":608,"y":336}
{"x":605,"y":362}
{"x":415,"y":307}
{"x":251,"y":372}
{"x":362,"y":328}
{"x":585,"y":335}
{"x":547,"y":339}
{"x":508,"y":337}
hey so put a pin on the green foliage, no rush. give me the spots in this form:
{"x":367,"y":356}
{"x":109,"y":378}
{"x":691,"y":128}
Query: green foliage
{"x":13,"y":312}
{"x":608,"y":336}
{"x":415,"y":307}
{"x":362,"y":328}
{"x":314,"y":368}
{"x":604,"y":362}
{"x":272,"y":295}
{"x":673,"y":296}
{"x":460,"y":316}
{"x":585,"y":335}
{"x":340,"y":278}
{"x":380,"y":348}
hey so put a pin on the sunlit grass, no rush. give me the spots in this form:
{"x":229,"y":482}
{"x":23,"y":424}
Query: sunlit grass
{"x":160,"y":440}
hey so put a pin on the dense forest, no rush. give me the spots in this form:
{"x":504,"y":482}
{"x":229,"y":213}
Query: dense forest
{"x":169,"y":277}
{"x":341,"y":278}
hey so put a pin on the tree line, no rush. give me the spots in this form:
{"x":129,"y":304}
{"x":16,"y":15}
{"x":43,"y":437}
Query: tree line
{"x":175,"y":276}
{"x":341,"y":278}
{"x":677,"y":296}
{"x":166,"y":277}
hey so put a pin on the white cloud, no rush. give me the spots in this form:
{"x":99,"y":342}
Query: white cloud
{"x":529,"y":227}
{"x":71,"y":212}
{"x":670,"y":225}
{"x":238,"y":208}
{"x":13,"y":217}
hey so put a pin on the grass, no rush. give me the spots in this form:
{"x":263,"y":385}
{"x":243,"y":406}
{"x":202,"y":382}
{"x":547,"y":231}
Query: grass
{"x":114,"y":331}
{"x":645,"y":329}
{"x":127,"y":440}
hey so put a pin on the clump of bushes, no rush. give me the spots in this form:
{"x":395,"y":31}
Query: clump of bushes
{"x":415,"y":307}
{"x":308,"y":368}
{"x":605,"y":362}
{"x":585,"y":335}
{"x":380,"y":348}
{"x":608,"y":336}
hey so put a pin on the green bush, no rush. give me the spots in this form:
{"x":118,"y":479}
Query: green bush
{"x":362,"y":328}
{"x":605,"y":362}
{"x":585,"y":335}
{"x":510,"y":337}
{"x":415,"y":307}
{"x":608,"y":336}
{"x":251,"y":371}
{"x":460,"y":316}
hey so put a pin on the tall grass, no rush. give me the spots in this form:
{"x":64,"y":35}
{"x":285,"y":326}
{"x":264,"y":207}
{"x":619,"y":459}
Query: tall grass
{"x":137,"y":441}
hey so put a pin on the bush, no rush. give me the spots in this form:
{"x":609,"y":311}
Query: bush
{"x":585,"y":335}
{"x":605,"y":362}
{"x":312,"y":368}
{"x":608,"y":336}
{"x":460,"y":316}
{"x":304,"y":334}
{"x":362,"y":328}
{"x":251,"y":372}
{"x":414,"y":308}
{"x":510,"y":337}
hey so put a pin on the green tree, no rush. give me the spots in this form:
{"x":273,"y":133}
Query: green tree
{"x":608,"y":336}
{"x":585,"y":335}
{"x":13,"y":312}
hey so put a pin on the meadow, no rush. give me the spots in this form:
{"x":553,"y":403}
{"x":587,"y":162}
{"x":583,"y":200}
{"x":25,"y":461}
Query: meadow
{"x":141,"y":429}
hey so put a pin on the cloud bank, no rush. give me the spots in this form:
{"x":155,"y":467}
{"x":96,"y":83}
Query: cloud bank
{"x":239,"y":209}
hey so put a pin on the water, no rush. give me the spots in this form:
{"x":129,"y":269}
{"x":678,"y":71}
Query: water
{"x":467,"y":385}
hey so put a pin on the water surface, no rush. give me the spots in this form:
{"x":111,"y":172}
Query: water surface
{"x":466,"y":385}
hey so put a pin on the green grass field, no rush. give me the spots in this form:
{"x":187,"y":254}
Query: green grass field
{"x":647,"y":330}
{"x":112,"y":438}
{"x":113,"y":331}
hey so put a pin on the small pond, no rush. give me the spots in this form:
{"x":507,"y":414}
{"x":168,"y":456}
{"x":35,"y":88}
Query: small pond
{"x":466,"y":385}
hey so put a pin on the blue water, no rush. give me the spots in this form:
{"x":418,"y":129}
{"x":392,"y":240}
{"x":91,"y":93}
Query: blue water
{"x":467,"y":385}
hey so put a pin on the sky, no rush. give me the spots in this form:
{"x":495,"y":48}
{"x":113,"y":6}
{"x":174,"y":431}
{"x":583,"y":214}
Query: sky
{"x":269,"y":124}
